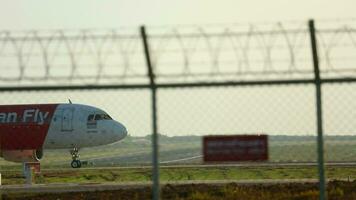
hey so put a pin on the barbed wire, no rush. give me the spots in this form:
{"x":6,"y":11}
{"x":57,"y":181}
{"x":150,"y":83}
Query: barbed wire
{"x":182,"y":53}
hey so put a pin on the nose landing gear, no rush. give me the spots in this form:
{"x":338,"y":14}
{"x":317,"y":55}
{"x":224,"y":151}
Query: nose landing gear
{"x":75,"y":158}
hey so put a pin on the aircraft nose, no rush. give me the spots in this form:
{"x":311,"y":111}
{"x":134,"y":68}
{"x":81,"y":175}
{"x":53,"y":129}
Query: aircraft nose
{"x":120,"y":130}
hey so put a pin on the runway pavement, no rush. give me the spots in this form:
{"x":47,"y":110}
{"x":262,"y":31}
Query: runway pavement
{"x":215,"y":165}
{"x":166,"y":165}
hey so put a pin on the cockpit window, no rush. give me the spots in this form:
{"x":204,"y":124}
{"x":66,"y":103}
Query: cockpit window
{"x":98,"y":117}
{"x":90,"y":117}
{"x":102,"y":117}
{"x":107,"y":117}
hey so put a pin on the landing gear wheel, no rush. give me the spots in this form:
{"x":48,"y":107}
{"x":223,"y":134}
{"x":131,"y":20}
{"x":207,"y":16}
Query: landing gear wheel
{"x":75,"y":157}
{"x":79,"y":164}
{"x":76,"y":164}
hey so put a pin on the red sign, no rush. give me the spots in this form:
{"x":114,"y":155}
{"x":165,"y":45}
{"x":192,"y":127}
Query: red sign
{"x":235,"y":148}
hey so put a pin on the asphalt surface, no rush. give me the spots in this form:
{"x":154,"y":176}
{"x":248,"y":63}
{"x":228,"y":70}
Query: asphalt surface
{"x":166,"y":165}
{"x":214,"y":165}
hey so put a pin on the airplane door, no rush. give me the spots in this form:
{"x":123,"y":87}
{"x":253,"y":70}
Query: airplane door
{"x":67,"y":119}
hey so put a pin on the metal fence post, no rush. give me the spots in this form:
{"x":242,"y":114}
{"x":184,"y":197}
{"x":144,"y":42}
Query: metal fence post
{"x":320,"y":148}
{"x":151,"y":75}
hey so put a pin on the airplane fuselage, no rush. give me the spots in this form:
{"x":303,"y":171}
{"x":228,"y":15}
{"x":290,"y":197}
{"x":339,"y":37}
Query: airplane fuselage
{"x":56,"y":126}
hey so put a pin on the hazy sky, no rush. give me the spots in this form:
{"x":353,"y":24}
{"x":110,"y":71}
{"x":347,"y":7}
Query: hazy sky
{"x":69,"y":14}
{"x":215,"y":111}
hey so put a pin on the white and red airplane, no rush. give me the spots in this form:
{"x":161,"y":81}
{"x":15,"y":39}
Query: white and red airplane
{"x":25,"y":130}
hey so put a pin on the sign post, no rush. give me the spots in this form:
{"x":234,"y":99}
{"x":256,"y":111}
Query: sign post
{"x":29,"y":170}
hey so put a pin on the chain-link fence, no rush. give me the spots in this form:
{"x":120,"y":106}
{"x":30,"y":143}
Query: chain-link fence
{"x":211,"y":80}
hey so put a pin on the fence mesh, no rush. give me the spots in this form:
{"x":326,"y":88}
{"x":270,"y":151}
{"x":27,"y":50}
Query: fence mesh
{"x":193,"y":54}
{"x":339,"y":123}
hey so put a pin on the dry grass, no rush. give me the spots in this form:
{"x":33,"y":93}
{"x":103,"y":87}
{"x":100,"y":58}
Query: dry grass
{"x":295,"y":191}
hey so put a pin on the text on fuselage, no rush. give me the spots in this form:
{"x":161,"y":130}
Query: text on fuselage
{"x":28,"y":116}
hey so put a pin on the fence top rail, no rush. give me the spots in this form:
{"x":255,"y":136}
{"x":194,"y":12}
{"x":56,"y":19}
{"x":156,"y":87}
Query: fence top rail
{"x":175,"y":85}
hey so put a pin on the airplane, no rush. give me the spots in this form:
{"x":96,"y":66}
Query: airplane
{"x":26,"y":130}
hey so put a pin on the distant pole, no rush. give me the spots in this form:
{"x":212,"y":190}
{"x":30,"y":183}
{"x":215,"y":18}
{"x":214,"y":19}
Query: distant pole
{"x":151,"y":75}
{"x":321,"y":166}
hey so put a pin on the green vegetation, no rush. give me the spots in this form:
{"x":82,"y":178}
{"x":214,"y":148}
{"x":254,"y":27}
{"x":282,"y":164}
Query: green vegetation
{"x":177,"y":174}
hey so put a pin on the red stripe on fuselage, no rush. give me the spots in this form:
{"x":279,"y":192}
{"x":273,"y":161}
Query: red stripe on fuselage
{"x":24,"y":126}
